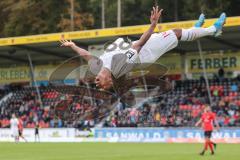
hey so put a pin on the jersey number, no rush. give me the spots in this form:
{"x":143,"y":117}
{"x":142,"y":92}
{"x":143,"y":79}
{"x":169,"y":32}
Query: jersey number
{"x":129,"y":54}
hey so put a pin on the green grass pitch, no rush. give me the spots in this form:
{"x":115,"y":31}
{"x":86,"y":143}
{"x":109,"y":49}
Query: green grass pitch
{"x":114,"y":151}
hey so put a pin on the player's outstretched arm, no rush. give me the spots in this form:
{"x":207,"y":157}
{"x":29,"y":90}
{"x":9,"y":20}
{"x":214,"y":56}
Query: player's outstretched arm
{"x":82,"y":52}
{"x":198,"y":122}
{"x":217,"y":125}
{"x":155,"y":15}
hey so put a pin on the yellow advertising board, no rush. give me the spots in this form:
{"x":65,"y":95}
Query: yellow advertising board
{"x":230,"y":62}
{"x":109,"y":32}
{"x":22,"y":74}
{"x":43,"y":72}
{"x":213,"y":62}
{"x":15,"y":74}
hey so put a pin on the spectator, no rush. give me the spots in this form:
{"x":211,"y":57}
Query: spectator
{"x":60,"y":123}
{"x":221,"y":73}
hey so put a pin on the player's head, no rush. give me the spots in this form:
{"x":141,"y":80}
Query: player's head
{"x":104,"y":79}
{"x":13,"y":115}
{"x":207,"y":108}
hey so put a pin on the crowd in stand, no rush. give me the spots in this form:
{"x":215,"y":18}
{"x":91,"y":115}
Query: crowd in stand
{"x":183,"y":106}
{"x":64,"y":106}
{"x":180,"y":107}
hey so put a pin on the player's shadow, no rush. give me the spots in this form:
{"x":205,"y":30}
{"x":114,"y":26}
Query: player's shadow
{"x":131,"y":81}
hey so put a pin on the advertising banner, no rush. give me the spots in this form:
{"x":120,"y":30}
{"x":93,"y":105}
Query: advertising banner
{"x":41,"y":73}
{"x":153,"y":135}
{"x":167,"y":135}
{"x":213,"y":62}
{"x":46,"y":135}
{"x":109,"y":32}
{"x":14,"y":74}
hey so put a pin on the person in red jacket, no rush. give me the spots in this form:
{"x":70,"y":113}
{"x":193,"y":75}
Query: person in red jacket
{"x":207,"y":120}
{"x":20,"y":129}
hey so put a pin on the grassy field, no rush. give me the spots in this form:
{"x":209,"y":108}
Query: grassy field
{"x":113,"y":151}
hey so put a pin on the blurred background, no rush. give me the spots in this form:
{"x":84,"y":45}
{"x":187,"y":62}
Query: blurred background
{"x":29,"y":17}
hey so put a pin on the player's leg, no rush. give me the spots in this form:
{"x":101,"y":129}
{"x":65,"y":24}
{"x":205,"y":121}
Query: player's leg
{"x":207,"y":135}
{"x":35,"y":136}
{"x":206,"y":142}
{"x":210,"y":143}
{"x":214,"y":144}
{"x":19,"y":134}
{"x":161,"y":43}
{"x":17,"y":138}
{"x":198,"y":32}
{"x":38,"y":137}
{"x":16,"y":135}
{"x":23,"y":138}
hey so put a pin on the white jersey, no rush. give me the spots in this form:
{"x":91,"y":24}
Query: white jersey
{"x":120,"y":61}
{"x":157,"y":45}
{"x":14,"y":126}
{"x":117,"y":55}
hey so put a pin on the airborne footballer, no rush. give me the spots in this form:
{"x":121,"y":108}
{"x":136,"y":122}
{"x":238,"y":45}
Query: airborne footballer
{"x":148,"y":49}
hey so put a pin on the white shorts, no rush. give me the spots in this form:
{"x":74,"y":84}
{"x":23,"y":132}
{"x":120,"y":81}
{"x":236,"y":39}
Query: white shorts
{"x":14,"y":132}
{"x":157,"y":45}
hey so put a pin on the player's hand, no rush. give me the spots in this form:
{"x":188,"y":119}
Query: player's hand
{"x":66,"y":43}
{"x":197,"y":124}
{"x":155,"y":15}
{"x":218,"y":128}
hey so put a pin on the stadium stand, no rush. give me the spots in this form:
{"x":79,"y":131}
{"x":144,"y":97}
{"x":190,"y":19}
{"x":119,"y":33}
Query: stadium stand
{"x":180,"y":107}
{"x":183,"y":106}
{"x":62,"y":106}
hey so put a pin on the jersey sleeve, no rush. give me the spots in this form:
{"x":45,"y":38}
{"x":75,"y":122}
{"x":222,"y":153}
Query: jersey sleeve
{"x":213,"y":116}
